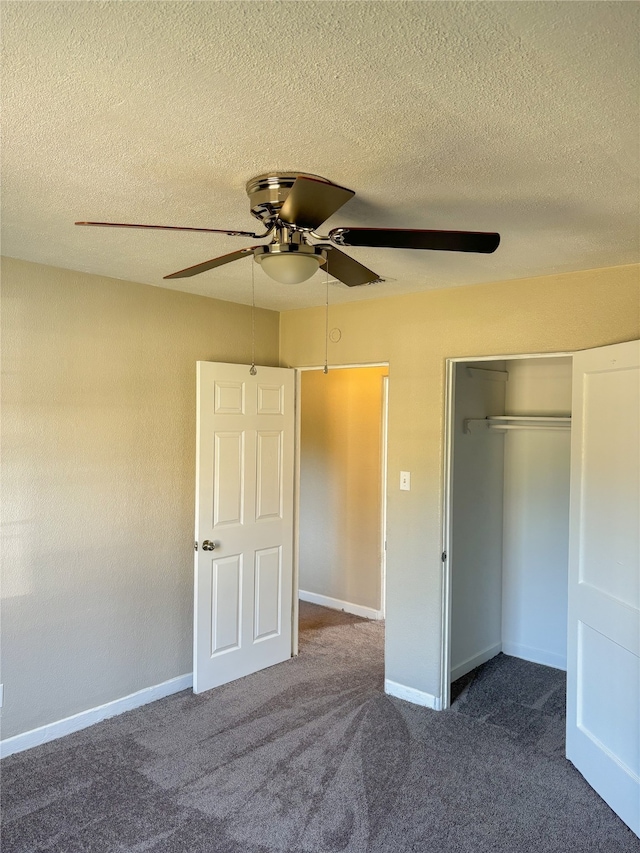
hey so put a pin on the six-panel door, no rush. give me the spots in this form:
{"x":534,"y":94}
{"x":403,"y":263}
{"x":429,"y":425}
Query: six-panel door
{"x":244,"y":507}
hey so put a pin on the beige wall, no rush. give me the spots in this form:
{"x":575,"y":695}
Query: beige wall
{"x":341,"y":484}
{"x":415,"y":334}
{"x":98,"y":451}
{"x":98,"y":429}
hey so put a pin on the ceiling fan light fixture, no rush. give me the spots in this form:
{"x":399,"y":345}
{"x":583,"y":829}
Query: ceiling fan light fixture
{"x":289,"y":269}
{"x":290,"y":264}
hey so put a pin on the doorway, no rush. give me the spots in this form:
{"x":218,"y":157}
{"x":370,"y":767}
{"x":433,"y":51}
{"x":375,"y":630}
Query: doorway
{"x":342,"y":489}
{"x":602,"y":612}
{"x":507,"y":530}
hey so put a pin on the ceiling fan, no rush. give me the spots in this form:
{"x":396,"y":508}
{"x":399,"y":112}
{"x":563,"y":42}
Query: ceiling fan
{"x":291,"y":206}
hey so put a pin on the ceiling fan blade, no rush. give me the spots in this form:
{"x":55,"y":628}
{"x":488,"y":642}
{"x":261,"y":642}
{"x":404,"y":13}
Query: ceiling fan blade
{"x":171,"y":228}
{"x":209,"y":265}
{"x":399,"y":238}
{"x":310,"y":202}
{"x":346,"y":269}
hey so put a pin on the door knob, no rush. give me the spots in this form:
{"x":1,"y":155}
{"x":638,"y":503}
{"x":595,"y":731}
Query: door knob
{"x":208,"y":545}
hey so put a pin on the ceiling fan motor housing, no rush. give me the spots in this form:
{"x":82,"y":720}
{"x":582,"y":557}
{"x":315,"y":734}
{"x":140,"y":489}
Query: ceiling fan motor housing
{"x":267,"y":193}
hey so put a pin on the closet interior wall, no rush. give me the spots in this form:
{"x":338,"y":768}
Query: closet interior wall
{"x":535,"y":543}
{"x":476,"y":542}
{"x":510,"y":506}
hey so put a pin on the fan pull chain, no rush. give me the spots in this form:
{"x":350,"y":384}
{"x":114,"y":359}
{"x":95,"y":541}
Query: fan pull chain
{"x":326,"y":326}
{"x":253,"y":369}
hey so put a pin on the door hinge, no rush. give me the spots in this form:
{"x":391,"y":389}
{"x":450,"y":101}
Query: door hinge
{"x":444,"y":556}
{"x":195,"y":546}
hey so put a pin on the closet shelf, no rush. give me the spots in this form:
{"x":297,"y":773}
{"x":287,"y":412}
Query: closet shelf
{"x":506,"y":422}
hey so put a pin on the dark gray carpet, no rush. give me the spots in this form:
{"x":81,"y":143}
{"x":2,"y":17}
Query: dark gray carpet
{"x":311,"y":757}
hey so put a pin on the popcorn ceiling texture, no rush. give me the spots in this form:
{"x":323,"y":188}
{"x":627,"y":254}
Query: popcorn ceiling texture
{"x":516,"y":117}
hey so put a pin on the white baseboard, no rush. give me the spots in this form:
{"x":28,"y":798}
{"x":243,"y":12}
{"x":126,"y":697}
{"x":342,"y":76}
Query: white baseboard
{"x":337,"y":604}
{"x":68,"y":725}
{"x":410,"y":694}
{"x":477,"y":660}
{"x":517,"y":650}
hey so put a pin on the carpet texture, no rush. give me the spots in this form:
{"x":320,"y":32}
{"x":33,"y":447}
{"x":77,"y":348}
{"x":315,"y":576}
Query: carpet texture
{"x":312,"y":757}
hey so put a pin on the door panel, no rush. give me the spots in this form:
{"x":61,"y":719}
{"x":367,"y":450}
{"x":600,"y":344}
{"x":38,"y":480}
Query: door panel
{"x":229,"y":398}
{"x":612,"y":423}
{"x":228,"y":479}
{"x":270,"y":400}
{"x":607,"y":669}
{"x":244,"y":507}
{"x":268,"y":580}
{"x":225,"y":603}
{"x":269,"y":471}
{"x":603,"y":675}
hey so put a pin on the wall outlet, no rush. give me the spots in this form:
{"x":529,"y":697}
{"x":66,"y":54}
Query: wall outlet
{"x":405,"y":481}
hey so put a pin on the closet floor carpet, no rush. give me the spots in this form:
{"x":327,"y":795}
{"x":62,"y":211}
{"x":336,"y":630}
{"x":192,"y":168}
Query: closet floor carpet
{"x":311,"y":756}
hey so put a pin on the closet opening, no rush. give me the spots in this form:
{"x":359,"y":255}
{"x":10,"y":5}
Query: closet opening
{"x":506,"y":515}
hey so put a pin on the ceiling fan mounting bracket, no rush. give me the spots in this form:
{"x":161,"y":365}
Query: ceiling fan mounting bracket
{"x":337,"y":236}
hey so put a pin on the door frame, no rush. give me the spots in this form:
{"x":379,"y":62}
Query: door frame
{"x":296,"y":486}
{"x":447,"y":507}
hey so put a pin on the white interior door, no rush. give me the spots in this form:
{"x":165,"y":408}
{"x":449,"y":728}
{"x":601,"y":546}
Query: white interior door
{"x":244,"y":521}
{"x":603,"y":672}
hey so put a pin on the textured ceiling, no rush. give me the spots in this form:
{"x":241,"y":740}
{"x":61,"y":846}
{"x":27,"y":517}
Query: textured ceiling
{"x":516,"y":117}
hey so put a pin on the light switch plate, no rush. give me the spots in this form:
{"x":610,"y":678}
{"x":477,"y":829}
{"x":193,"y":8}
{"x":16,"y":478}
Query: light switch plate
{"x":405,"y":481}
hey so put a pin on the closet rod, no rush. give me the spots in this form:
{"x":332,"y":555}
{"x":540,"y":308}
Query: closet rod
{"x":549,"y":427}
{"x":560,"y":419}
{"x":504,"y":422}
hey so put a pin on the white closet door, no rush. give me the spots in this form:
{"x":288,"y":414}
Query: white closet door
{"x":603,"y":672}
